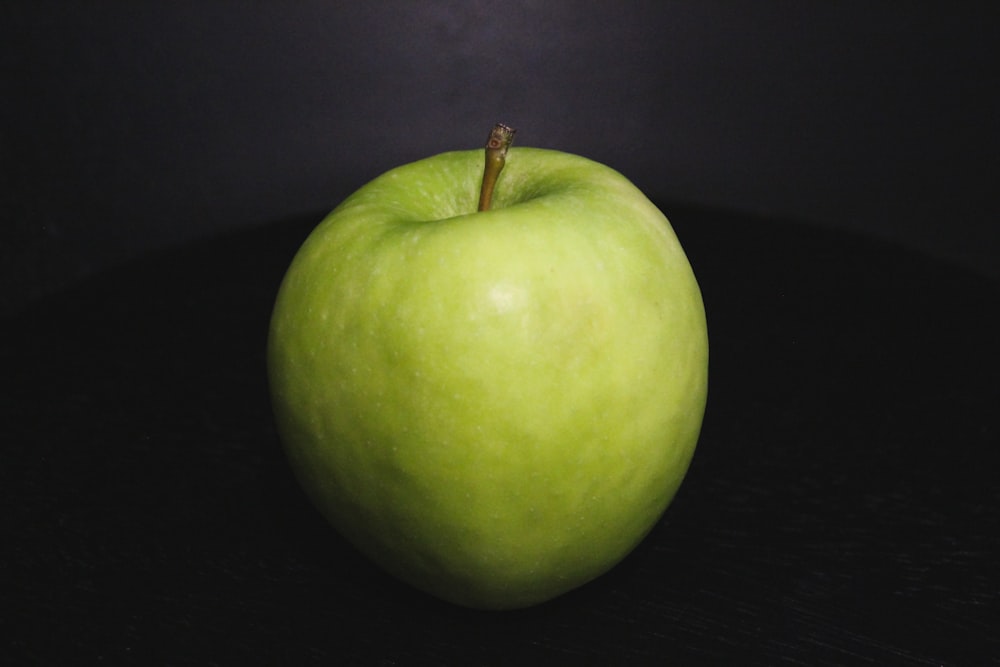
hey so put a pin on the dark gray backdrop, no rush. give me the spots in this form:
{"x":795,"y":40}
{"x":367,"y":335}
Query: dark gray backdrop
{"x":128,"y":125}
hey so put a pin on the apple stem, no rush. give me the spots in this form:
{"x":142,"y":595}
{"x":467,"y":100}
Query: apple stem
{"x":500,"y":139}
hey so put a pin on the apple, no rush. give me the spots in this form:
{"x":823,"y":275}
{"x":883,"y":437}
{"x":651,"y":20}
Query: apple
{"x":495,"y":403}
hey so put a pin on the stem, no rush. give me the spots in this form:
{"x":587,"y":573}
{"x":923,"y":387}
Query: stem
{"x":499,"y":141}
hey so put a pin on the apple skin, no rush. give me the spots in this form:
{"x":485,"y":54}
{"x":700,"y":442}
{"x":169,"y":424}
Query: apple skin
{"x":497,"y":406}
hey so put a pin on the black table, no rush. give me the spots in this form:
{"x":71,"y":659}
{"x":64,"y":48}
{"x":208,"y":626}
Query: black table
{"x":841,"y":508}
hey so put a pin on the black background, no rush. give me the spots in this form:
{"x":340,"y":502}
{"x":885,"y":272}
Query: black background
{"x":841,"y":509}
{"x":129,"y":126}
{"x":830,"y":169}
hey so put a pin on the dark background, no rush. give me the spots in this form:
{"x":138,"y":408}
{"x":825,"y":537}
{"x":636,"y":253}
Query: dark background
{"x":829,"y":167}
{"x":129,"y":126}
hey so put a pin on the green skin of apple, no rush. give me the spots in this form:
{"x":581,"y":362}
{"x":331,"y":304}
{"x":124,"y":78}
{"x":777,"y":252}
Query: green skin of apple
{"x":497,"y":406}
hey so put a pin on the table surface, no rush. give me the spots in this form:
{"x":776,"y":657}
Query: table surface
{"x":841,"y":508}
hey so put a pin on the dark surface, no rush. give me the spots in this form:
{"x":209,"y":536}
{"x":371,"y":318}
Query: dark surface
{"x":841,"y":509}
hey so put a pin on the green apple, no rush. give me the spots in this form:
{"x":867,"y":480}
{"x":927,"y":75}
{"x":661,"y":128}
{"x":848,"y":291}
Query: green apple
{"x":495,"y":406}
